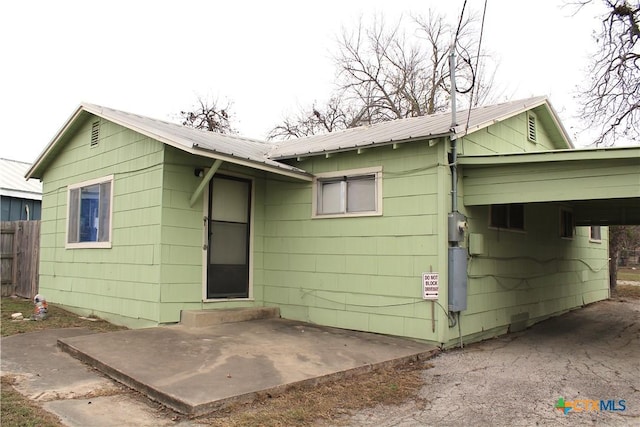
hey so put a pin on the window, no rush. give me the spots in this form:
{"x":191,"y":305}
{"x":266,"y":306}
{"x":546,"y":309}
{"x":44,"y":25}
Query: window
{"x":348,"y":193}
{"x":595,"y":233}
{"x":509,"y":217}
{"x":566,"y":224}
{"x":89,"y":215}
{"x":531,"y":127}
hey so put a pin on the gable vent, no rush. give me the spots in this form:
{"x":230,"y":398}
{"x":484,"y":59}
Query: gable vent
{"x":531,"y":128}
{"x":95,"y":133}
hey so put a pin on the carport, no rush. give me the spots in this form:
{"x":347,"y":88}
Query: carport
{"x":602,"y":186}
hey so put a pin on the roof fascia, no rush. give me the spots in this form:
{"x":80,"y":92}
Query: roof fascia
{"x":552,"y":156}
{"x":200,"y":151}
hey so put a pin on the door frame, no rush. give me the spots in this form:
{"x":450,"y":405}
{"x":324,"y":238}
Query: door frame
{"x":205,"y":238}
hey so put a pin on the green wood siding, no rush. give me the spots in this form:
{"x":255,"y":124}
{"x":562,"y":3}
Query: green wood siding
{"x":359,"y":273}
{"x":523,"y":277}
{"x":182,"y":274}
{"x":510,"y":136}
{"x":121,"y":283}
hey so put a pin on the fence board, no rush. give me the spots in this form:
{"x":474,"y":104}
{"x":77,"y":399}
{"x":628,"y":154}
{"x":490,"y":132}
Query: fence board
{"x":20,"y":245}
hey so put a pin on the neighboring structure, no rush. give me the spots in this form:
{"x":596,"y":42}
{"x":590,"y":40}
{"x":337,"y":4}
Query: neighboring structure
{"x":20,"y":199}
{"x":143,"y":219}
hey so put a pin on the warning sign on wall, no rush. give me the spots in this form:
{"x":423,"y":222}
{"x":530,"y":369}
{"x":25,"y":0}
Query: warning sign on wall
{"x":430,"y":286}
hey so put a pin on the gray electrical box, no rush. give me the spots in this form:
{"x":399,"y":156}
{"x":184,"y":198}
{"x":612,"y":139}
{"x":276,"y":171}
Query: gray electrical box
{"x":457,"y":279}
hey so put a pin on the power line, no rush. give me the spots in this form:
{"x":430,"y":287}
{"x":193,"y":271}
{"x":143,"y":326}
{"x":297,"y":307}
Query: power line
{"x":484,"y":12}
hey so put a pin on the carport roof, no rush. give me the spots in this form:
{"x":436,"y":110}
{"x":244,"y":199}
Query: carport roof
{"x":602,"y":184}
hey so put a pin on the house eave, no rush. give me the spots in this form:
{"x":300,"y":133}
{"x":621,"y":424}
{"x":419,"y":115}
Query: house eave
{"x":551,"y":156}
{"x":363,"y":146}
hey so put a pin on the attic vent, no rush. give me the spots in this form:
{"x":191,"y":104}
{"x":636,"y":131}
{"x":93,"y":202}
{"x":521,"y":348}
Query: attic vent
{"x":95,"y":133}
{"x":531,"y":128}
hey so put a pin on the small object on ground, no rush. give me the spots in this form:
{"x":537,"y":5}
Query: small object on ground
{"x":90,"y":319}
{"x":40,"y":310}
{"x":17,"y":316}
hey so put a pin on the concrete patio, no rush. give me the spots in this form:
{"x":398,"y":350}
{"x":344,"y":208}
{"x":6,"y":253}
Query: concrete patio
{"x":196,"y":370}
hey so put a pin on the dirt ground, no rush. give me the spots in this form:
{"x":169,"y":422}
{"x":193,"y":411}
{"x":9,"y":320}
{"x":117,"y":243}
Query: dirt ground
{"x":591,"y":353}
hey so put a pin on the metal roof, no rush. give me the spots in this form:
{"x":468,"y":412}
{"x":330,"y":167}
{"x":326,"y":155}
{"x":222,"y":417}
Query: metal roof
{"x":410,"y":129}
{"x":13,"y":183}
{"x":264,"y":156}
{"x":230,"y":148}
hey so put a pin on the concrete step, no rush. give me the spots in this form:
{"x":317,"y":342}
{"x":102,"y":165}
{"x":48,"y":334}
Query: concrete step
{"x":202,"y":318}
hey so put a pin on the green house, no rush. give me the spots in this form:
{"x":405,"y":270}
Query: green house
{"x":144,"y":219}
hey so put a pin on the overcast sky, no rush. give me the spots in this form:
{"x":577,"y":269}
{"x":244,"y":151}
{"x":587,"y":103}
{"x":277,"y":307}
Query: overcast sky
{"x":269,"y":57}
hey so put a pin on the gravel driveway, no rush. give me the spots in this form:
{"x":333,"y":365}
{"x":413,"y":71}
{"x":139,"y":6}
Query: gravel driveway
{"x":591,"y":353}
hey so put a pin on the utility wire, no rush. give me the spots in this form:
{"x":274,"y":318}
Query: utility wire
{"x":484,"y":13}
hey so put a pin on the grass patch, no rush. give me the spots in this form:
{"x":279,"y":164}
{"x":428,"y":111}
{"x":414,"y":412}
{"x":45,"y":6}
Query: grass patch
{"x":328,"y":402}
{"x":626,"y":273}
{"x":17,"y":410}
{"x":58,"y":318}
{"x":627,"y":291}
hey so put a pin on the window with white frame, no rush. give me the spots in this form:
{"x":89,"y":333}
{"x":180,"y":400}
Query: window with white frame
{"x":595,"y":233}
{"x":89,"y":213}
{"x":348,"y":193}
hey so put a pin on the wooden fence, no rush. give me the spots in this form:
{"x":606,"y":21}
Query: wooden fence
{"x":20,"y":247}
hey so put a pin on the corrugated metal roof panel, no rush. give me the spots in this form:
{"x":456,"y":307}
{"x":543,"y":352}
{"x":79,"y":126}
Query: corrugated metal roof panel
{"x":13,"y":182}
{"x":402,"y":130}
{"x":193,"y":139}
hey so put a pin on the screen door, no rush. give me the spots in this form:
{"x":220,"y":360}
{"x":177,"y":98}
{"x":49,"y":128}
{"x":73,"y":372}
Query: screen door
{"x":228,"y":248}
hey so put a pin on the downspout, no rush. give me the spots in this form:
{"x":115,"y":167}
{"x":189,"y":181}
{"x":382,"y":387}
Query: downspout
{"x":454,"y":123}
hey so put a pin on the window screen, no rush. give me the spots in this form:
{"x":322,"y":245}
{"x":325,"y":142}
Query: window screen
{"x":347,"y":194}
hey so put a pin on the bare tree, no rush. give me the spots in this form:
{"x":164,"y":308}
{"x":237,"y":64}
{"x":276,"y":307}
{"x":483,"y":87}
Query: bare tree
{"x":622,"y":238}
{"x":316,"y":120}
{"x":207,"y":115}
{"x":611,"y":100}
{"x":385,"y":73}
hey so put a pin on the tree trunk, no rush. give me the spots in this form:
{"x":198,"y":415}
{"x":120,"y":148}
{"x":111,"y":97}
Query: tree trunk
{"x":613,"y":271}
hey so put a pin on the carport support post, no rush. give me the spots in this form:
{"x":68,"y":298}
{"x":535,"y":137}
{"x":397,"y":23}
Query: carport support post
{"x":212,"y":171}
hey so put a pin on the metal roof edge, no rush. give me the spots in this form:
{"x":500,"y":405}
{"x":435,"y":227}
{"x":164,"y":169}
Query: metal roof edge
{"x":362,"y":147}
{"x":44,"y":154}
{"x":283,"y":169}
{"x":538,"y":101}
{"x":20,"y":194}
